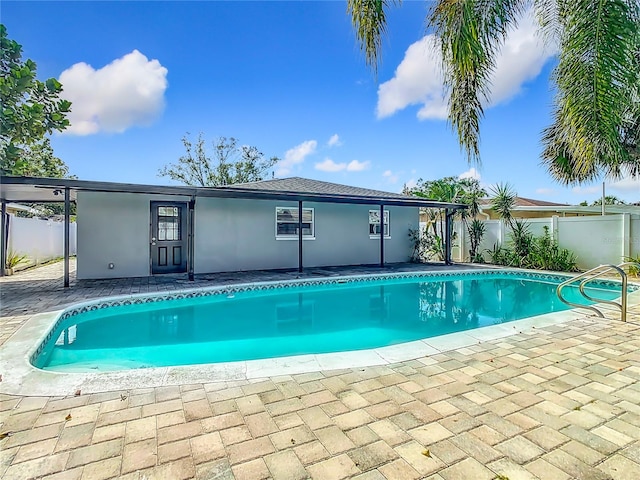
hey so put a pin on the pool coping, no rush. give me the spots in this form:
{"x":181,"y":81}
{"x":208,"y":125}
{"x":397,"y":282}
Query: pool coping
{"x":20,"y":377}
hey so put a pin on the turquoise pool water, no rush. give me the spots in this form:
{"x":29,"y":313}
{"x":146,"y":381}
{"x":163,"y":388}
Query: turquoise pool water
{"x":275,"y":322}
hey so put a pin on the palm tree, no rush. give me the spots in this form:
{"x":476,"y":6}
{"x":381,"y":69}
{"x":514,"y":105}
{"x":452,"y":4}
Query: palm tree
{"x":596,"y":118}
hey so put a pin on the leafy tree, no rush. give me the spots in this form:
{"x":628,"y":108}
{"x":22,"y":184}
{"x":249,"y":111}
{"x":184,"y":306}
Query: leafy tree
{"x":609,"y":200}
{"x":453,"y":190}
{"x":231,"y":163}
{"x":30,"y":108}
{"x":596,"y":118}
{"x":38,"y":160}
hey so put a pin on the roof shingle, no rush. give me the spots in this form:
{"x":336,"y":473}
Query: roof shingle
{"x":307,"y":185}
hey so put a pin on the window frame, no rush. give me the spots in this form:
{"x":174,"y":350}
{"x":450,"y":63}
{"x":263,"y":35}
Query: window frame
{"x":305,"y":236}
{"x":387,"y":224}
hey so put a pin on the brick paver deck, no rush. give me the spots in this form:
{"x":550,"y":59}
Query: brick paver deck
{"x":554,"y":403}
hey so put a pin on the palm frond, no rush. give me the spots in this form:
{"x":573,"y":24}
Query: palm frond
{"x":570,"y":168}
{"x":550,"y":15}
{"x":471,"y":33}
{"x":370,"y":23}
{"x":595,"y":74}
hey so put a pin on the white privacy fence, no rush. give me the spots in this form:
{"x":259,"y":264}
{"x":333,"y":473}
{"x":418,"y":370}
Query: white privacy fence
{"x":40,"y":240}
{"x":595,"y":240}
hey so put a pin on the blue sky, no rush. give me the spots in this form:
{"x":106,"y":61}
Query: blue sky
{"x":287,"y":77}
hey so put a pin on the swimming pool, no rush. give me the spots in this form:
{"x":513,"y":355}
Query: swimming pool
{"x":257,"y":321}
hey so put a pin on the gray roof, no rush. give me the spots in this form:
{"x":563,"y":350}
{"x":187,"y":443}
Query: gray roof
{"x":306,"y":185}
{"x":31,"y":189}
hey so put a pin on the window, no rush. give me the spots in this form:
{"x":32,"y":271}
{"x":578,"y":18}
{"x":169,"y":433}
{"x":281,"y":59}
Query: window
{"x":168,"y":223}
{"x":287,"y":223}
{"x":374,"y":224}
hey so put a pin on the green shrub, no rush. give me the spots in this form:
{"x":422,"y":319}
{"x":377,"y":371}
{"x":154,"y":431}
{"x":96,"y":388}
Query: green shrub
{"x":634,"y":269}
{"x":14,"y":259}
{"x":524,"y":250}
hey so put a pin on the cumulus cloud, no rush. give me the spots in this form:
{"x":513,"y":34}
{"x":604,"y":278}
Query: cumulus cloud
{"x":586,"y":190}
{"x":418,"y":79}
{"x":471,"y":173}
{"x":125,"y":93}
{"x":328,"y":165}
{"x":411,"y":183}
{"x":356,"y":166}
{"x":390,"y":176}
{"x":295,"y":156}
{"x":627,"y":184}
{"x":334,"y":141}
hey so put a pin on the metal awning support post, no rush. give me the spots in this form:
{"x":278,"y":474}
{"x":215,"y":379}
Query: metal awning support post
{"x":3,"y":239}
{"x":381,"y":235}
{"x":448,"y":226}
{"x":67,"y":218}
{"x":300,"y":236}
{"x":191,"y":238}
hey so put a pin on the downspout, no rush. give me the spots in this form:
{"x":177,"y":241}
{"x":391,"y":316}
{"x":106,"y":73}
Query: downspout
{"x":300,"y":266}
{"x":381,"y":235}
{"x":482,"y":212}
{"x":191,"y":238}
{"x":67,"y":212}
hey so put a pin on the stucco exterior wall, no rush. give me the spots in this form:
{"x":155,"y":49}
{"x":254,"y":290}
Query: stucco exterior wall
{"x":231,"y":235}
{"x":114,"y":228}
{"x":236,"y":234}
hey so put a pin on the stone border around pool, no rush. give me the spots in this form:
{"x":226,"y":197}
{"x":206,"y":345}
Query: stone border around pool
{"x":20,"y":377}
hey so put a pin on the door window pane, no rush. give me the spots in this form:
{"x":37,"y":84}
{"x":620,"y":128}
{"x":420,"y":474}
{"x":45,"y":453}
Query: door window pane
{"x":169,"y":223}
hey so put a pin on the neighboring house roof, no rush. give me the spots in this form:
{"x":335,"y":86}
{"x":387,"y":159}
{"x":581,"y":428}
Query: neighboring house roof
{"x":531,"y":205}
{"x":524,"y":202}
{"x":307,"y":185}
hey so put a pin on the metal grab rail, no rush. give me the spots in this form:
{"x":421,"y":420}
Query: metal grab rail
{"x":592,"y":274}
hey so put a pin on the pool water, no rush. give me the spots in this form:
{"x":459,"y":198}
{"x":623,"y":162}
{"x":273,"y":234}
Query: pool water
{"x":296,"y":320}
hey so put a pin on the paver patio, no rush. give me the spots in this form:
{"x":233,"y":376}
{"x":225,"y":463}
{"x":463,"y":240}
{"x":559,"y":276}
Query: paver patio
{"x":557,"y":402}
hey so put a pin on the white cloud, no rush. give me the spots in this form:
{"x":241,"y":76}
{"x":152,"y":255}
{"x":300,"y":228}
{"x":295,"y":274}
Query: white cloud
{"x":328,"y":165}
{"x":127,"y":92}
{"x":390,"y":176}
{"x":586,"y":190}
{"x":412,"y":182}
{"x":418,"y":78}
{"x":627,"y":184}
{"x":471,"y":173}
{"x":295,"y":155}
{"x":334,"y":141}
{"x":356,"y":166}
{"x":546,"y":191}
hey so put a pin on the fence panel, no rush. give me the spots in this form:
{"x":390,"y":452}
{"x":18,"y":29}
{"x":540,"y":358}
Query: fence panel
{"x":40,"y":240}
{"x":595,"y":240}
{"x":634,"y":236}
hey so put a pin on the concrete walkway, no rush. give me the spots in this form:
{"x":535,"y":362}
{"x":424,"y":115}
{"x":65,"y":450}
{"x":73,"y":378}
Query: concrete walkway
{"x":553,"y":403}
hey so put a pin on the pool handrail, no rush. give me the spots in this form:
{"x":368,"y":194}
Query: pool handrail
{"x":592,"y":274}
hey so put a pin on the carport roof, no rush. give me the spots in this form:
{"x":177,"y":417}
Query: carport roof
{"x":42,"y":190}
